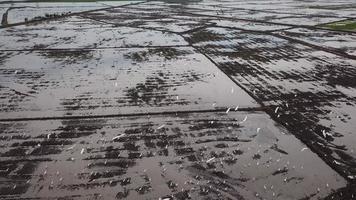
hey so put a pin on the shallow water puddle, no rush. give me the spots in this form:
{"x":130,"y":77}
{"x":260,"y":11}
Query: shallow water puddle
{"x":114,"y":82}
{"x":75,"y":32}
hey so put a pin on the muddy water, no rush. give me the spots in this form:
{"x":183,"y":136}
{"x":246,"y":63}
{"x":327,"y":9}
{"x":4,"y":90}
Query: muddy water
{"x":329,"y":39}
{"x":138,"y":102}
{"x":214,"y":155}
{"x":303,"y":83}
{"x":75,"y":32}
{"x":104,"y":82}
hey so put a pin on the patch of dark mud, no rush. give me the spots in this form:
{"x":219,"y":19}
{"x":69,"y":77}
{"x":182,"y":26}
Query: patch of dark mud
{"x":221,"y":139}
{"x":155,"y":90}
{"x":205,"y":35}
{"x":78,"y":128}
{"x":22,"y":87}
{"x":228,"y":187}
{"x":307,"y":130}
{"x":134,"y":155}
{"x":280,"y":171}
{"x":249,"y":62}
{"x":143,"y":189}
{"x":222,"y":145}
{"x":46,"y":150}
{"x":4,"y":56}
{"x":333,"y":6}
{"x":209,"y":192}
{"x":37,"y":46}
{"x":230,"y":160}
{"x":192,"y":158}
{"x":256,"y":156}
{"x":6,"y":167}
{"x":310,"y":102}
{"x":337,"y":75}
{"x":346,"y":193}
{"x":27,"y":169}
{"x":145,"y":129}
{"x":184,"y":151}
{"x":78,"y":103}
{"x":89,"y":186}
{"x":162,"y":139}
{"x":217,"y":154}
{"x":112,"y":153}
{"x":220,"y":174}
{"x":163,"y":152}
{"x":21,"y":74}
{"x":198,"y":166}
{"x":106,"y":174}
{"x":171,"y":185}
{"x":131,"y":146}
{"x":237,"y":152}
{"x":13,"y":189}
{"x":212,"y":124}
{"x":256,"y":54}
{"x":163,"y":143}
{"x":68,"y":57}
{"x":167,"y":53}
{"x":126,"y":181}
{"x":256,"y":48}
{"x":123,"y":194}
{"x":296,"y":179}
{"x":14,"y":152}
{"x":3,"y":130}
{"x":145,"y":92}
{"x":16,"y":137}
{"x":276,"y":148}
{"x":33,"y":143}
{"x":121,"y":163}
{"x":345,"y":156}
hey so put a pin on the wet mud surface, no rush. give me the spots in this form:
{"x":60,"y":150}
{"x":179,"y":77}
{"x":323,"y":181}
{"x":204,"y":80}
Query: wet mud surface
{"x":329,"y":39}
{"x":308,"y":91}
{"x":207,"y":155}
{"x":177,"y":100}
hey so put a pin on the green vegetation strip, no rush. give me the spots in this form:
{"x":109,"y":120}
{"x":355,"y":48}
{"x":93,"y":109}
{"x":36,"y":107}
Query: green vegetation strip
{"x":333,"y":7}
{"x":347,"y":25}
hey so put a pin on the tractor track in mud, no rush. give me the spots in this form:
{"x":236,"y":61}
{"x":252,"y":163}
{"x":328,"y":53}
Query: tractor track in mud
{"x":253,"y":109}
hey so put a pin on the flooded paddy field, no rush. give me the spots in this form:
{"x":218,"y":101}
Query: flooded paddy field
{"x":178,"y":99}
